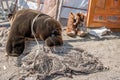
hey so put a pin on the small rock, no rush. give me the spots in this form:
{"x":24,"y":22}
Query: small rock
{"x":0,"y":44}
{"x":4,"y":67}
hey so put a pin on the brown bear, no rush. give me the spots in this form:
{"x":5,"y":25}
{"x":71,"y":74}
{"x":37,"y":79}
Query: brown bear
{"x":45,"y":27}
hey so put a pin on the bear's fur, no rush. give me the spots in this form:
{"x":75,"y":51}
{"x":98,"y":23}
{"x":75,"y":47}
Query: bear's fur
{"x":45,"y":28}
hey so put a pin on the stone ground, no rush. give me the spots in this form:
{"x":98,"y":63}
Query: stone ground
{"x":106,"y":49}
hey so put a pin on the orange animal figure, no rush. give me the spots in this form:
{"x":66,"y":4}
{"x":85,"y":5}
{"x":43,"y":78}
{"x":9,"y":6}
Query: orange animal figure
{"x":71,"y":27}
{"x":75,"y":22}
{"x":81,"y":25}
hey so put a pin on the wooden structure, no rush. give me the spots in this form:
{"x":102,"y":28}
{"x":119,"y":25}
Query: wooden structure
{"x":2,"y":7}
{"x":104,"y":13}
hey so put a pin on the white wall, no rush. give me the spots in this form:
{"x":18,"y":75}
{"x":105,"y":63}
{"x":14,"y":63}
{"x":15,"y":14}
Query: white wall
{"x":74,"y":3}
{"x":65,"y":11}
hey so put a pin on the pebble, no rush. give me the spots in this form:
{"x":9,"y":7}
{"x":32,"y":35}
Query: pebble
{"x":0,"y":44}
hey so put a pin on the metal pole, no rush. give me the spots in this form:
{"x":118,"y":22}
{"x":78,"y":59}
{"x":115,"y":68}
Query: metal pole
{"x":59,"y":10}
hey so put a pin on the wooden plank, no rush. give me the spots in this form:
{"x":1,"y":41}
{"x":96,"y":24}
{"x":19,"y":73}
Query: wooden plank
{"x":4,"y":23}
{"x":59,"y":10}
{"x":74,"y":8}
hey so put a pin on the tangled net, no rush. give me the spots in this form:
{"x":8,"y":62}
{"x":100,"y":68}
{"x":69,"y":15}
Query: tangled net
{"x":73,"y":61}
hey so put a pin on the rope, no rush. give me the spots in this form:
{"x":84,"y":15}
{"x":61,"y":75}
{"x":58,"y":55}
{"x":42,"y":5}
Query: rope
{"x":33,"y":31}
{"x":38,"y":51}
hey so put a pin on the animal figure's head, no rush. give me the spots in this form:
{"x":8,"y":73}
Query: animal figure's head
{"x":80,"y":18}
{"x":15,"y":46}
{"x":77,"y":18}
{"x":74,"y":19}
